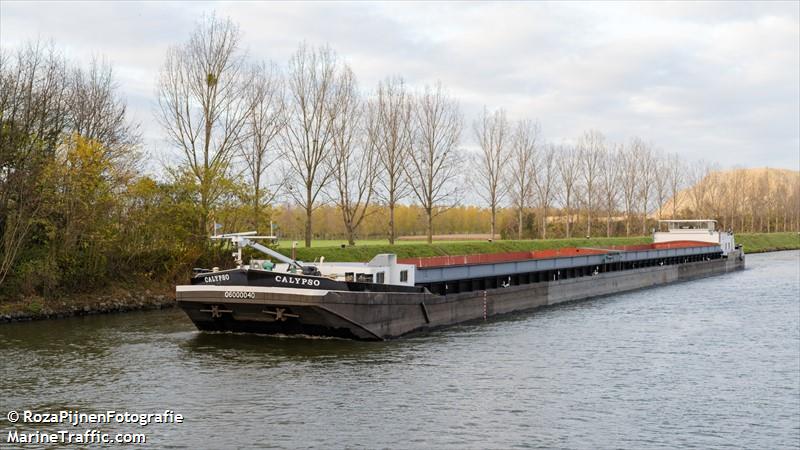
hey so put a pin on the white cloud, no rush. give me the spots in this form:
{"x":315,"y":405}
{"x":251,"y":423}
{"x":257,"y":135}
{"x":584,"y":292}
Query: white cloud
{"x":721,"y":80}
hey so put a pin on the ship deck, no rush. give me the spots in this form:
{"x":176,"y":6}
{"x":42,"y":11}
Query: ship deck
{"x":451,"y":274}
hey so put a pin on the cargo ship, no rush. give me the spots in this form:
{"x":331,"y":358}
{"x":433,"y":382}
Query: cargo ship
{"x":388,"y":297}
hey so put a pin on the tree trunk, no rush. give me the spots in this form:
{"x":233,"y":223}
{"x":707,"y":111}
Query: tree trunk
{"x":569,"y":218}
{"x":589,"y":221}
{"x":544,"y":223}
{"x":494,"y":218}
{"x":608,"y":225}
{"x":256,"y":208}
{"x":429,"y":211}
{"x":308,"y":227}
{"x":391,"y":222}
{"x":204,"y":214}
{"x":519,"y":224}
{"x":627,"y":223}
{"x":309,"y":210}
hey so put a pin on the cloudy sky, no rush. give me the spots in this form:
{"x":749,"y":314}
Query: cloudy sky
{"x":717,"y":81}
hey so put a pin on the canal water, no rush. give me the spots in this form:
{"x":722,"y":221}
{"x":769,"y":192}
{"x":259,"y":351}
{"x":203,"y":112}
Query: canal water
{"x":703,"y":364}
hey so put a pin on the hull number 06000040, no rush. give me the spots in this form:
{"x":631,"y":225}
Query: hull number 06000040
{"x":239,"y":294}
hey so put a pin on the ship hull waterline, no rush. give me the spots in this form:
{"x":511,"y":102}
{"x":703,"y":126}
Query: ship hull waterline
{"x":387,"y":315}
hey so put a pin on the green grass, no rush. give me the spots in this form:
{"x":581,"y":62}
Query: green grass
{"x":367,"y":249}
{"x":322,"y":243}
{"x":363,"y":252}
{"x":768,"y":242}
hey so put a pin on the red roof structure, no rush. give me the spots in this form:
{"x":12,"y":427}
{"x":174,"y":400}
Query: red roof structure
{"x":492,"y":258}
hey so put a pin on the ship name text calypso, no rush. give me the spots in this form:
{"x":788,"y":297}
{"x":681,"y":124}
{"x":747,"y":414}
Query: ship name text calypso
{"x":296,"y":280}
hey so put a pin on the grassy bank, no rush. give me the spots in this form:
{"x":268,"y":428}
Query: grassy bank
{"x":768,"y":242}
{"x":411,"y":250}
{"x":286,"y":244}
{"x":753,"y":243}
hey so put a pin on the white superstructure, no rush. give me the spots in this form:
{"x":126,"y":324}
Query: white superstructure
{"x":382,"y":269}
{"x":701,"y":230}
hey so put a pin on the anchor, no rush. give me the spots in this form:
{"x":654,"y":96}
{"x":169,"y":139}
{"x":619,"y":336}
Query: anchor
{"x":280,"y":314}
{"x":215,"y":311}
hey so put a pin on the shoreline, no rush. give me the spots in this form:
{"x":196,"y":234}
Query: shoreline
{"x":120,"y":300}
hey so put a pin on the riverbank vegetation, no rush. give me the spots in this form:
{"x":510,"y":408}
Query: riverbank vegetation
{"x":303,"y":147}
{"x":752,"y":242}
{"x":768,"y":242}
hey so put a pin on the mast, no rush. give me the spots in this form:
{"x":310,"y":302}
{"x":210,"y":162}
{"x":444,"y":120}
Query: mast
{"x":246,"y":239}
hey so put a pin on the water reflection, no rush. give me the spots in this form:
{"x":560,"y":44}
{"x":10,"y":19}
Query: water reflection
{"x":248,"y":347}
{"x":709,"y":363}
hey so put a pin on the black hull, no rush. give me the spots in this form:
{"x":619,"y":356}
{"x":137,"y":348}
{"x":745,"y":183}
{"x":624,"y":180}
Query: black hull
{"x":263,"y":318}
{"x":294,"y":328}
{"x":368,"y":315}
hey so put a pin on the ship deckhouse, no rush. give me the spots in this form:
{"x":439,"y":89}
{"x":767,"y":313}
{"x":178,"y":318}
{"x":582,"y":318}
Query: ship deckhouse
{"x":702,"y":230}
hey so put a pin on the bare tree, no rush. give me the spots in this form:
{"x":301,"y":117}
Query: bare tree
{"x":629,"y":182}
{"x":609,"y":182}
{"x":761,"y":197}
{"x":312,"y":82}
{"x":544,"y":179}
{"x":522,"y":163}
{"x":568,"y":170}
{"x":660,"y":181}
{"x":203,"y":107}
{"x":734,"y":195}
{"x":717,"y":188}
{"x":97,"y":113}
{"x":491,"y":131}
{"x":781,"y":192}
{"x":97,"y":126}
{"x":394,"y":133}
{"x":737,"y":196}
{"x":433,"y":161}
{"x":354,"y":155}
{"x":753,"y":201}
{"x":676,"y":172}
{"x":645,"y":162}
{"x":591,"y":152}
{"x":697,"y":175}
{"x":266,"y":120}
